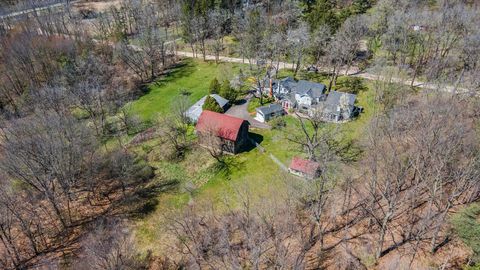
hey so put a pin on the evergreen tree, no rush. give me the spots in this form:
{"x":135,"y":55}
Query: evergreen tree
{"x":212,"y":105}
{"x":228,"y":92}
{"x":214,"y":87}
{"x":360,"y":6}
{"x":323,"y":12}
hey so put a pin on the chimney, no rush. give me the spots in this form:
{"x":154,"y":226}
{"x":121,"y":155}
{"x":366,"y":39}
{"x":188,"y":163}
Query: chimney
{"x":271,"y":88}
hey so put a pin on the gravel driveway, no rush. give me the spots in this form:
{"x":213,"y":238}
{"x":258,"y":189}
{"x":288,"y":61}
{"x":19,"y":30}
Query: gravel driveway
{"x":241,"y":111}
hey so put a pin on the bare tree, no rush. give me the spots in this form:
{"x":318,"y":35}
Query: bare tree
{"x":416,"y":175}
{"x":251,"y":235}
{"x":88,"y":89}
{"x":109,"y":246}
{"x":298,"y":40}
{"x":49,"y":163}
{"x":319,"y":42}
{"x":174,"y":127}
{"x":217,"y":20}
{"x":344,"y":47}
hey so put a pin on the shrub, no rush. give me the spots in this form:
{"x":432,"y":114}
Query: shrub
{"x":278,"y":123}
{"x":185,"y":92}
{"x":351,"y":85}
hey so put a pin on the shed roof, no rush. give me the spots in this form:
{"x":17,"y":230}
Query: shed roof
{"x":305,"y":166}
{"x":196,"y":109}
{"x":272,"y":108}
{"x":222,"y":125}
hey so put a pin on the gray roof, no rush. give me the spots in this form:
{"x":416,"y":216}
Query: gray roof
{"x":266,"y":83}
{"x":314,"y":90}
{"x":302,"y":87}
{"x":220,"y":100}
{"x":288,"y":82}
{"x":334,"y":97}
{"x":272,"y":108}
{"x":194,"y":112}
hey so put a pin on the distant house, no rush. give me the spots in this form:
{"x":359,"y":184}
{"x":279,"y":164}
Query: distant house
{"x":304,"y":168}
{"x":338,"y":107}
{"x":265,"y":113}
{"x":194,"y":112}
{"x":222,"y":131}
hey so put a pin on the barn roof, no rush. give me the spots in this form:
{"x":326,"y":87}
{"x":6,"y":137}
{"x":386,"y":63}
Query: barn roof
{"x":224,"y":126}
{"x":307,"y":167}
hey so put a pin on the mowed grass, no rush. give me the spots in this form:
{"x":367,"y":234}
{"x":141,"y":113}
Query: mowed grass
{"x":200,"y":181}
{"x":203,"y":184}
{"x":190,"y":75}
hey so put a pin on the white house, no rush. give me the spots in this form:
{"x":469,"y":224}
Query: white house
{"x":266,"y":113}
{"x":303,"y":101}
{"x":303,"y":94}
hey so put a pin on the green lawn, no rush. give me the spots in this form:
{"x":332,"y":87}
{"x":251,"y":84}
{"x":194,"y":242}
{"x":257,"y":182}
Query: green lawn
{"x":467,"y":226}
{"x":200,"y":181}
{"x":255,"y":103}
{"x":191,"y":75}
{"x":198,"y":178}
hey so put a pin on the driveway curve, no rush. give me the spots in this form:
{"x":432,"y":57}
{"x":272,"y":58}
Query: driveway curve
{"x":241,"y":111}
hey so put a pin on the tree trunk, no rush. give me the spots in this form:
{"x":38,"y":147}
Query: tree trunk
{"x":381,"y":238}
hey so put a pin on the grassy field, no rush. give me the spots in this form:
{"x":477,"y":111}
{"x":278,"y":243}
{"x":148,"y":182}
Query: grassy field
{"x":198,"y":179}
{"x":467,"y":226}
{"x":191,"y":75}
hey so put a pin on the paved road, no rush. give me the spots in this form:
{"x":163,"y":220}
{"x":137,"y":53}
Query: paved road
{"x":241,"y":111}
{"x":282,"y":65}
{"x":353,"y":71}
{"x":18,"y":13}
{"x":416,"y":83}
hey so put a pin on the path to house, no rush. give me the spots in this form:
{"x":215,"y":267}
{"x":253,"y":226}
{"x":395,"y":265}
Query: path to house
{"x":241,"y":111}
{"x":279,"y":163}
{"x":272,"y":157}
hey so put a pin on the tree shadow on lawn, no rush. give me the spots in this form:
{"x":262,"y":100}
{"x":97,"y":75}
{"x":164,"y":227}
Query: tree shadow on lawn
{"x":179,"y":70}
{"x":229,"y":165}
{"x":144,"y":200}
{"x":232,"y":163}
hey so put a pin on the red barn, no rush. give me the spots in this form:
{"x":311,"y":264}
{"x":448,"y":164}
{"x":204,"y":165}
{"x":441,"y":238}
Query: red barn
{"x":304,"y":168}
{"x":221,"y":130}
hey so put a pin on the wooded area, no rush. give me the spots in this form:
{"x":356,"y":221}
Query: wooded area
{"x":73,"y":182}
